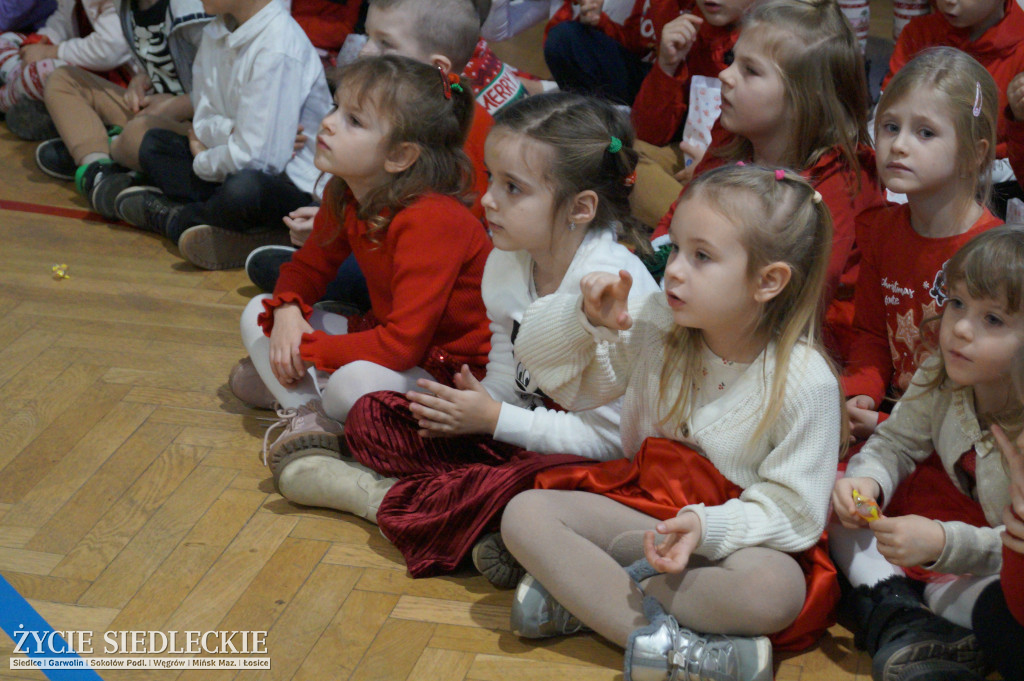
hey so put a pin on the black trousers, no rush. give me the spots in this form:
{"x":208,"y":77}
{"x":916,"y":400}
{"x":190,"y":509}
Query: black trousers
{"x":247,"y":201}
{"x":1000,"y":634}
{"x":584,"y":60}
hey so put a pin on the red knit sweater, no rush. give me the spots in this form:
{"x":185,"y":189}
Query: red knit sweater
{"x":659,"y":109}
{"x":998,"y":49}
{"x":423,"y":278}
{"x":900,"y":284}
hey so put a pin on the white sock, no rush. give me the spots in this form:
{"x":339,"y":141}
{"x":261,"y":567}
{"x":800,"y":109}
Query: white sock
{"x":856,"y":554}
{"x":954,"y":599}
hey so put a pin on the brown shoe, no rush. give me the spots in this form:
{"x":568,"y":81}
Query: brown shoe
{"x":246,"y":385}
{"x":307,"y":427}
{"x":216,"y":248}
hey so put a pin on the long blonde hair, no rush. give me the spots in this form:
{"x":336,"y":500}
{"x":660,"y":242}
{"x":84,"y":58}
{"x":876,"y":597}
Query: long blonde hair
{"x":822,"y":70}
{"x":990,"y":266}
{"x":779,"y":220}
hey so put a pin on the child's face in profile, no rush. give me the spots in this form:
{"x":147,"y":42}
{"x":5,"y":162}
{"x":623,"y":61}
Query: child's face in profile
{"x":352,"y":144}
{"x":971,"y":13}
{"x":979,"y":339}
{"x":393,"y":31}
{"x":753,"y":92}
{"x":519,"y":203}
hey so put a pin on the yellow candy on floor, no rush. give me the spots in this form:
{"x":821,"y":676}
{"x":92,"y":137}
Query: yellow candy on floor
{"x":60,"y":272}
{"x":867,"y":508}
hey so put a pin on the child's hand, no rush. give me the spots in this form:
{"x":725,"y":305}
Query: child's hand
{"x":135,"y":97}
{"x":464,"y":410}
{"x":285,"y":339}
{"x":194,"y":145}
{"x":860,"y":409}
{"x":37,"y":52}
{"x":842,"y":499}
{"x":1013,"y":514}
{"x":605,"y":298}
{"x":590,"y":12}
{"x":909,"y":540}
{"x":300,"y":140}
{"x":677,"y":37}
{"x":684,"y":535}
{"x":1015,"y":96}
{"x":694,"y":154}
{"x":300,"y":223}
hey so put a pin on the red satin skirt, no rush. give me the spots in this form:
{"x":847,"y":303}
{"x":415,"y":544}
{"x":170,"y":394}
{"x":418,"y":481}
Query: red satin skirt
{"x":450,"y":490}
{"x":666,"y":475}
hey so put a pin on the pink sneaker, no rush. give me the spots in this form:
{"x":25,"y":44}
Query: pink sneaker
{"x":246,"y":385}
{"x":307,"y":430}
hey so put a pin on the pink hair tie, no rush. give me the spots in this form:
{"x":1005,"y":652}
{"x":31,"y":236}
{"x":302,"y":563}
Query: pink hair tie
{"x":740,"y":163}
{"x":780,"y":174}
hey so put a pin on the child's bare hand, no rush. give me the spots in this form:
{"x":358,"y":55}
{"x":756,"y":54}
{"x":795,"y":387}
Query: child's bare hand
{"x":677,"y":37}
{"x":860,"y":410}
{"x":37,"y":52}
{"x":1013,"y":514}
{"x":694,"y":154}
{"x":300,"y":140}
{"x":605,"y":297}
{"x":300,"y":223}
{"x":842,"y":499}
{"x":463,"y":410}
{"x":135,"y":97}
{"x":1015,"y":96}
{"x":194,"y":145}
{"x":672,"y":555}
{"x":285,"y":338}
{"x":590,"y":12}
{"x":909,"y":540}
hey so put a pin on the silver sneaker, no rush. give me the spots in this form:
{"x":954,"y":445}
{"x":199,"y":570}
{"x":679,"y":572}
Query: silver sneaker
{"x":536,"y":614}
{"x":664,"y":651}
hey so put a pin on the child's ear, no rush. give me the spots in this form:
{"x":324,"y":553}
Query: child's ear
{"x":771,"y":280}
{"x":982,"y":150}
{"x":583,"y":208}
{"x":401,"y":157}
{"x":442,"y":62}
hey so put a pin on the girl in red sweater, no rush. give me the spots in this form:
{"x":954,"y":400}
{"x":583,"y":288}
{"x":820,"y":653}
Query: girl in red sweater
{"x":795,"y":96}
{"x":393,"y":144}
{"x":935,"y":136}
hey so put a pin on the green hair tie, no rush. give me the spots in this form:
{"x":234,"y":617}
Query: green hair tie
{"x":456,"y":87}
{"x":615,"y":146}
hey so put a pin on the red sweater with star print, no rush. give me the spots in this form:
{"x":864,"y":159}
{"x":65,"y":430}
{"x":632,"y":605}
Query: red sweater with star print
{"x":998,"y":49}
{"x":900,"y":285}
{"x":423,"y":276}
{"x":659,"y":109}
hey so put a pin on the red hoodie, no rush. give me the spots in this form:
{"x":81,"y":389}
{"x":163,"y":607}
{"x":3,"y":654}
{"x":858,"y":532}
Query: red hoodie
{"x":999,"y":50}
{"x":660,"y":106}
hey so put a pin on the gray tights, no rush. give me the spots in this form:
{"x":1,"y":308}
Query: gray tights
{"x":575,"y":544}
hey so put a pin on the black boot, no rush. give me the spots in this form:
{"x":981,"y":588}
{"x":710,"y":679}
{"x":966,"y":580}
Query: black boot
{"x":896,"y":628}
{"x":938,"y":670}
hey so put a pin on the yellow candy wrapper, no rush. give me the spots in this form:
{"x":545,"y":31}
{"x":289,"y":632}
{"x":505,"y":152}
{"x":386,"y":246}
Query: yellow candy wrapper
{"x":60,"y":272}
{"x":867,"y":508}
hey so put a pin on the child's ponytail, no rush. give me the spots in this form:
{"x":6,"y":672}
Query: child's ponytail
{"x":593,"y":150}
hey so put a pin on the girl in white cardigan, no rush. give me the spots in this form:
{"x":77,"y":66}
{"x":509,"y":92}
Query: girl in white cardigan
{"x":731,"y":416}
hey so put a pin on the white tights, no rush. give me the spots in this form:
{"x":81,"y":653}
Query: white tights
{"x":855,"y":553}
{"x":345,"y":386}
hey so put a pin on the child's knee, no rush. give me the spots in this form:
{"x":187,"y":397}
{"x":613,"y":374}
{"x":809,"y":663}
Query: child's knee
{"x":524,"y":511}
{"x":61,"y":82}
{"x":348,"y":384}
{"x":244,"y":188}
{"x":251,"y":330}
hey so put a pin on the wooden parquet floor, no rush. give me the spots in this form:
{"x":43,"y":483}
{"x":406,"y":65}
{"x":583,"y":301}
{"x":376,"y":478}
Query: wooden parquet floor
{"x":132,"y":495}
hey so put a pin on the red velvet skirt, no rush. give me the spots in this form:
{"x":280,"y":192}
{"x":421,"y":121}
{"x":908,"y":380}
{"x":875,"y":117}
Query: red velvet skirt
{"x":929,"y":492}
{"x":663,"y":477}
{"x":450,"y":490}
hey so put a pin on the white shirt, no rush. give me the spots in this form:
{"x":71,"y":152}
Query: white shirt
{"x":252,"y":88}
{"x":507,"y":290}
